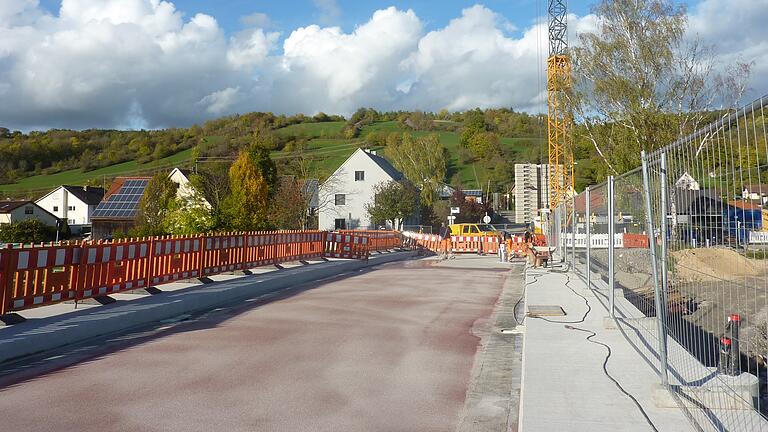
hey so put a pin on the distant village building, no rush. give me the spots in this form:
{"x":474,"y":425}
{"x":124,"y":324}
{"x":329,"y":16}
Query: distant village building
{"x":687,"y":182}
{"x":17,"y":211}
{"x":186,"y":191}
{"x":531,"y":191}
{"x":73,"y":204}
{"x":118,"y":209}
{"x":344,"y":196}
{"x":756,"y":192}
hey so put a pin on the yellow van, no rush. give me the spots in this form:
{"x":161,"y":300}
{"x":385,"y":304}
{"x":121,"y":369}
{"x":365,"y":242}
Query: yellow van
{"x":477,"y":230}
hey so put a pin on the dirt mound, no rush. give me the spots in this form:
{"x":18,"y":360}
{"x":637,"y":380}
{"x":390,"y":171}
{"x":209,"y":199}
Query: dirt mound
{"x":713,"y":264}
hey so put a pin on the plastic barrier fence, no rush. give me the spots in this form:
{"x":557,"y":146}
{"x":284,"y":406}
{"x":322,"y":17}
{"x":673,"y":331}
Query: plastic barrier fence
{"x":476,"y":244}
{"x":600,"y":241}
{"x":38,"y":275}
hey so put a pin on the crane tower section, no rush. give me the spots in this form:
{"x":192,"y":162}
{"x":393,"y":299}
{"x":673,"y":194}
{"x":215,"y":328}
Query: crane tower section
{"x":560,"y":116}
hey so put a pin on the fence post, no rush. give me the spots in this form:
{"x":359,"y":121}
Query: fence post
{"x":611,"y":246}
{"x":589,"y":238}
{"x":664,"y":240}
{"x":5,"y":279}
{"x":661,"y":333}
{"x":573,"y":231}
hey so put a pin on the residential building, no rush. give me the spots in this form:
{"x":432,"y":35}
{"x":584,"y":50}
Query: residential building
{"x":73,"y":204}
{"x":344,"y":196}
{"x":185,"y":189}
{"x":687,"y":182}
{"x":531,"y":191}
{"x":756,"y":192}
{"x":17,"y":211}
{"x":118,"y":209}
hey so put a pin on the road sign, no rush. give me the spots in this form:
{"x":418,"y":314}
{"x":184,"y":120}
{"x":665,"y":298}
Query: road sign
{"x":486,"y":218}
{"x":455,"y":210}
{"x":451,"y":219}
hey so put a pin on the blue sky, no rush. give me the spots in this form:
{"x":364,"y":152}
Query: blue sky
{"x":153,"y":64}
{"x":290,"y":14}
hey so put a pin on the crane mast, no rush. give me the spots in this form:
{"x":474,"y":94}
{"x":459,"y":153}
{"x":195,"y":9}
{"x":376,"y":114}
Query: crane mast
{"x":560,"y":116}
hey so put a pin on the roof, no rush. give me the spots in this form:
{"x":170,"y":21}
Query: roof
{"x":697,"y":202}
{"x":472,"y":192}
{"x":759,"y":188}
{"x":9,"y":206}
{"x":88,"y":195}
{"x":744,"y":205}
{"x":122,"y":200}
{"x":385,"y":165}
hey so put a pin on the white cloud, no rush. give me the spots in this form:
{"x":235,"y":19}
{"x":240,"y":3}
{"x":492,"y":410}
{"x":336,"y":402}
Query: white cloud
{"x":219,"y":102}
{"x":143,"y":63}
{"x":737,"y":29}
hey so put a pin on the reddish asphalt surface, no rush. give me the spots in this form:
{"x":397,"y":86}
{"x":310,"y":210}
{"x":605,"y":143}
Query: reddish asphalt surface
{"x":387,"y":350}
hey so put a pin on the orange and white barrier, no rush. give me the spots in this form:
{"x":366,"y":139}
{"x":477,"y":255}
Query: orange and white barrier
{"x":37,"y":275}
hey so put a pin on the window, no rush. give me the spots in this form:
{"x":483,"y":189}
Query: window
{"x":359,"y":175}
{"x":71,"y":221}
{"x":340,"y":224}
{"x":55,"y":208}
{"x":29,"y":210}
{"x":340,"y":199}
{"x":71,"y":208}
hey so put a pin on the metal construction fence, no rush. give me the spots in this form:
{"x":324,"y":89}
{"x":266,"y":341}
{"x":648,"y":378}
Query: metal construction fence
{"x":43,"y":274}
{"x":691,"y":293}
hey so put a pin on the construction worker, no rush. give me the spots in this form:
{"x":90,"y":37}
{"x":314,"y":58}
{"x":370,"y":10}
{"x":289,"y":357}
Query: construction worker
{"x":446,"y":248}
{"x":503,"y":247}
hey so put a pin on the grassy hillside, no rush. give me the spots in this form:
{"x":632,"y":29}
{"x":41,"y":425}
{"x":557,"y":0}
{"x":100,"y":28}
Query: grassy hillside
{"x":330,"y":153}
{"x":38,"y":185}
{"x":326,"y":150}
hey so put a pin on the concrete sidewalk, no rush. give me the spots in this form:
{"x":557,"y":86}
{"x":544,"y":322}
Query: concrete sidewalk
{"x":564,"y":386}
{"x":58,"y":325}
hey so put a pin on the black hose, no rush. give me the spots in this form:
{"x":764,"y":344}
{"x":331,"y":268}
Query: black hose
{"x":589,"y":339}
{"x":605,"y":371}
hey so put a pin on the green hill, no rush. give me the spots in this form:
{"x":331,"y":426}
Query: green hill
{"x":324,"y":146}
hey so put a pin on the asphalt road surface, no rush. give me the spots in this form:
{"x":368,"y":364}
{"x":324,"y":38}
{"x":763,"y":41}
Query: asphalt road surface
{"x":385,"y":350}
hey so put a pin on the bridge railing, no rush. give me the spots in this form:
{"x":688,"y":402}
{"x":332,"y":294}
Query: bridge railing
{"x":44,"y":274}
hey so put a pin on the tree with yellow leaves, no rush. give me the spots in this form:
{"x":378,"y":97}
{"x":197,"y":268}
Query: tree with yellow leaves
{"x":246,"y":207}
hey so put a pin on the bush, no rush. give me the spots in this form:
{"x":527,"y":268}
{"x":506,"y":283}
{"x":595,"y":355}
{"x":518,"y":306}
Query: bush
{"x":27,"y":231}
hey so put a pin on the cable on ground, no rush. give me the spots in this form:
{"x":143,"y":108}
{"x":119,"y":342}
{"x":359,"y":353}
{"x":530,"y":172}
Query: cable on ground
{"x":589,"y":339}
{"x":605,"y":371}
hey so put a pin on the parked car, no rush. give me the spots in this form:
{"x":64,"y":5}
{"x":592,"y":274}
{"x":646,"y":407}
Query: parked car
{"x":470,"y":229}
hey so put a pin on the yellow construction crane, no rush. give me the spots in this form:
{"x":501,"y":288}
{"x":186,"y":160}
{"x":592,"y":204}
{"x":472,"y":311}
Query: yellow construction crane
{"x":560,"y":115}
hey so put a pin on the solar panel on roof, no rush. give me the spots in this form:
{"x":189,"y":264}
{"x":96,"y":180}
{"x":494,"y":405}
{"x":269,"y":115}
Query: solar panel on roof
{"x":124,"y":204}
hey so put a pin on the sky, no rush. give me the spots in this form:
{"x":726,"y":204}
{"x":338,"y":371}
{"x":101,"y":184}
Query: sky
{"x":135,"y":64}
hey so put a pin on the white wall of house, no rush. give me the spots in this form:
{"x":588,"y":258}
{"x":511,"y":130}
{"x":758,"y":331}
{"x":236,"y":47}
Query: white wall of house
{"x":68,"y":207}
{"x":185,"y":190}
{"x":28,"y":211}
{"x":356,"y":193}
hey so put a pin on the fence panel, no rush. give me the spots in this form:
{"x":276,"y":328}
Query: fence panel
{"x":175,"y":258}
{"x":691,"y":275}
{"x":37,"y":275}
{"x":107,"y":268}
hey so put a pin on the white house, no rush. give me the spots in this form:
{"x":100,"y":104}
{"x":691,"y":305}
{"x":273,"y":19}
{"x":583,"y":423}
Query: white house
{"x":185,"y":190}
{"x":73,"y":204}
{"x":344,"y":196}
{"x":17,"y":211}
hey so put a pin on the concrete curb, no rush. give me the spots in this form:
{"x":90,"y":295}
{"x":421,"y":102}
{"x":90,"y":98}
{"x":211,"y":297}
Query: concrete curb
{"x":39,"y":335}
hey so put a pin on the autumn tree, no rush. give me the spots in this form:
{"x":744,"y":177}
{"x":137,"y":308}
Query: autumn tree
{"x":639,"y":82}
{"x":422,"y":160}
{"x":288,"y":207}
{"x":469,"y":211}
{"x":393,"y":202}
{"x":154,"y":205}
{"x":245,"y":209}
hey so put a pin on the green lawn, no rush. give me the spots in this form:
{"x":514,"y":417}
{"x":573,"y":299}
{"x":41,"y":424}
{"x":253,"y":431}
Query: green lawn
{"x":313,"y":130}
{"x":38,"y":185}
